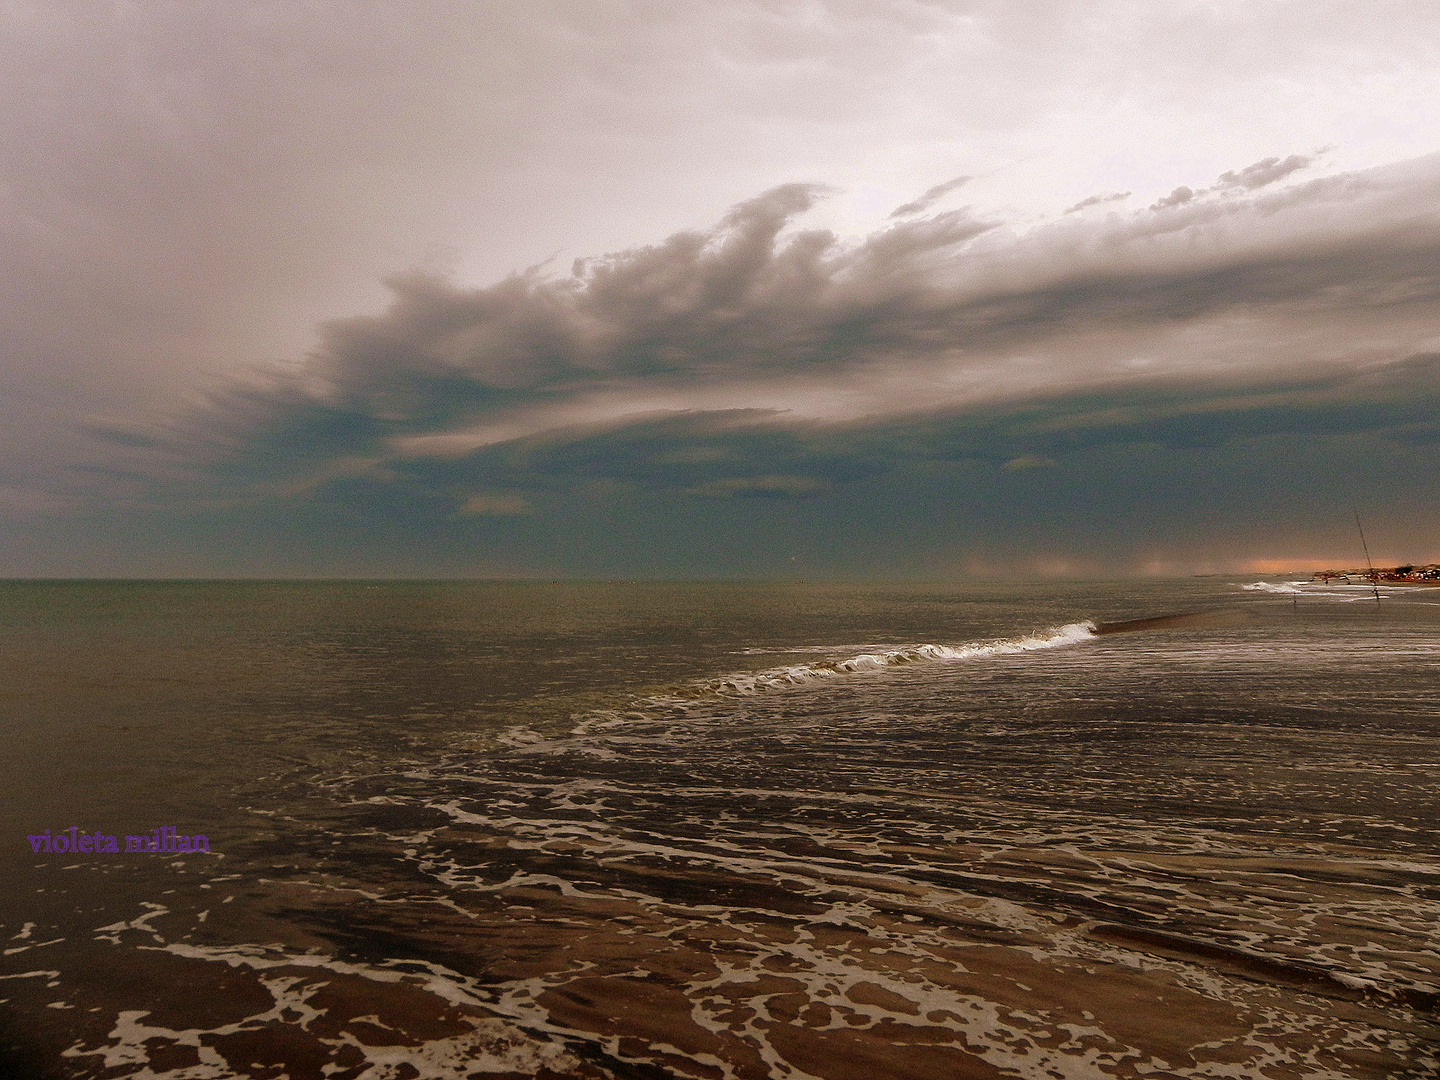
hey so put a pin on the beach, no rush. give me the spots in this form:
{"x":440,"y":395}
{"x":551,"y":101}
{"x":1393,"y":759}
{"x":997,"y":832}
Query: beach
{"x":1078,"y":829}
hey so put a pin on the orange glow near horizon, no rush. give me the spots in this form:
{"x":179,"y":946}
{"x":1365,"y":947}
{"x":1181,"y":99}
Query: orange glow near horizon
{"x":1281,"y":566}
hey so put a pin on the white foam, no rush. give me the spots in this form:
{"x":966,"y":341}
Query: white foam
{"x":1344,"y":592}
{"x":796,"y":674}
{"x":490,"y":1044}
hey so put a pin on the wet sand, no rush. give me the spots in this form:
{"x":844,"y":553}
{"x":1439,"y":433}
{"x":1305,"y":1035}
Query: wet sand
{"x":580,"y":952}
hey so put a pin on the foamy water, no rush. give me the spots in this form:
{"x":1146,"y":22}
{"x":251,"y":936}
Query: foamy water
{"x":1335,"y":591}
{"x":1203,"y":848}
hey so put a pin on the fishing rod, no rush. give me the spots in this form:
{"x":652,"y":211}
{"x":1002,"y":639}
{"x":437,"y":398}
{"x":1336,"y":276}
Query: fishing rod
{"x":1373,"y":583}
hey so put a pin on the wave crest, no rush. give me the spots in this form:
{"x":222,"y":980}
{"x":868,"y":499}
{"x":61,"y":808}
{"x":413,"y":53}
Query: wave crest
{"x":796,"y":674}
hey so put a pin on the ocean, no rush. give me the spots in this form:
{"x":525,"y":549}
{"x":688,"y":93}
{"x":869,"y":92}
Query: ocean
{"x":645,"y":830}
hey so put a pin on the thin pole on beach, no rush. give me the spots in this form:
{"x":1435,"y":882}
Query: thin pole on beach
{"x":1373,"y":584}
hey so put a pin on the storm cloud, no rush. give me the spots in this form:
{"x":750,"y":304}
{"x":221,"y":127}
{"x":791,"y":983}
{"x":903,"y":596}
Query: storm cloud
{"x":1092,"y":284}
{"x":944,"y":311}
{"x":1288,"y":331}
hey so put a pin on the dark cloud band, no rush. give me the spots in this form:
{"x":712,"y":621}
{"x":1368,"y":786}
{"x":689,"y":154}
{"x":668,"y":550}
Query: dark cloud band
{"x":762,"y":363}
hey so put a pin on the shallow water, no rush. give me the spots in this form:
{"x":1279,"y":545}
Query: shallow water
{"x":655,"y":830}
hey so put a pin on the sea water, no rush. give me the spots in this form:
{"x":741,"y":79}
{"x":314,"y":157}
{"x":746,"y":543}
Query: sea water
{"x":646,"y":830}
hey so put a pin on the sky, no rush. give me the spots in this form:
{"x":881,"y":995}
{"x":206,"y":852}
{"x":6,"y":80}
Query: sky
{"x":717,"y":288}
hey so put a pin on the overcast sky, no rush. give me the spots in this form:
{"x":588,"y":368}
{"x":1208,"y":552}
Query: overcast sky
{"x":724,"y":288}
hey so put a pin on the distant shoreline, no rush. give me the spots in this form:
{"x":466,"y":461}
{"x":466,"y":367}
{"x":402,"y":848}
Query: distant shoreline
{"x":1389,"y":575}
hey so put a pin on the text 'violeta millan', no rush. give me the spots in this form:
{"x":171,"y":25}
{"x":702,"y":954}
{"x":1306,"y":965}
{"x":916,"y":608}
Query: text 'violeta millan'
{"x":166,"y":840}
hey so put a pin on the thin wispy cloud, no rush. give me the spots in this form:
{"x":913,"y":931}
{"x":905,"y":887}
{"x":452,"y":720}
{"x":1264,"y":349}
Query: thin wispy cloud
{"x":930,"y":198}
{"x":1270,"y":171}
{"x":1098,"y":200}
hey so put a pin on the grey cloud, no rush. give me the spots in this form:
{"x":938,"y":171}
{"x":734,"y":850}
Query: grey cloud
{"x":537,"y":386}
{"x":750,"y":453}
{"x":1178,"y":197}
{"x":1028,"y":461}
{"x":495,"y":505}
{"x":732,"y":453}
{"x":1398,"y":401}
{"x":1098,"y":200}
{"x":1187,"y":466}
{"x":1206,"y":472}
{"x":930,"y":198}
{"x":1264,"y":172}
{"x":768,"y":486}
{"x":1261,"y":174}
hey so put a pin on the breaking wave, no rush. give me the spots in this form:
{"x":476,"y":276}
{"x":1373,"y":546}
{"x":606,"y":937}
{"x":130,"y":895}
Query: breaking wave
{"x":745,"y":684}
{"x":796,"y":674}
{"x":1269,"y":586}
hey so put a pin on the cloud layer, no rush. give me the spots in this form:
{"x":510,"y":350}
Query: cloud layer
{"x":1199,"y":356}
